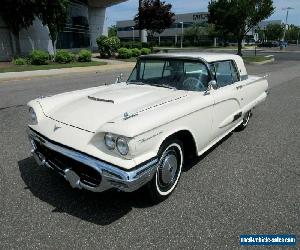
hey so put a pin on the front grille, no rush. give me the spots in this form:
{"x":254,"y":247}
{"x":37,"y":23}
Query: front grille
{"x":60,"y":163}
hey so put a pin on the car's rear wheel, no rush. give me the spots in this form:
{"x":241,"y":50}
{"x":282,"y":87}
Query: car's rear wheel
{"x":245,"y":121}
{"x":168,"y":171}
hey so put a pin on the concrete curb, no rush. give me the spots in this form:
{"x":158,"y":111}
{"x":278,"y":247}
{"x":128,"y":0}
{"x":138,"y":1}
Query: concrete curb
{"x":54,"y":72}
{"x":261,"y":63}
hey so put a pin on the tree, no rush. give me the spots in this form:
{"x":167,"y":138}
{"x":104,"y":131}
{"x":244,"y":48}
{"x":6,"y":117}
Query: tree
{"x":112,"y":31}
{"x":274,"y":31}
{"x":18,"y":15}
{"x":154,"y":16}
{"x":292,"y":33}
{"x":238,"y":16}
{"x":198,"y":32}
{"x":54,"y":14}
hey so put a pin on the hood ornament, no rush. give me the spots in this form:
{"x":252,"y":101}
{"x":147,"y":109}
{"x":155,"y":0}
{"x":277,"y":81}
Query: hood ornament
{"x":127,"y":116}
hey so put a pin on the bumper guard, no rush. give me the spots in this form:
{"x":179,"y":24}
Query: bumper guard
{"x":111,"y":176}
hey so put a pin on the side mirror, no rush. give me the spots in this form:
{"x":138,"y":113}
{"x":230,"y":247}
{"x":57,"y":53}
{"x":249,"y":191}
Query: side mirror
{"x":211,"y":85}
{"x":119,"y":78}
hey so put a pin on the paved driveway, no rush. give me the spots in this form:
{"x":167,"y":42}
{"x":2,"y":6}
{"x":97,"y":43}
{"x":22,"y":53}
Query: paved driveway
{"x":249,"y":183}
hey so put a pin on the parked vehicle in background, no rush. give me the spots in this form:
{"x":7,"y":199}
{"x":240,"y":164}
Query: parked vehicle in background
{"x":269,"y":44}
{"x":283,"y":44}
{"x":251,"y":42}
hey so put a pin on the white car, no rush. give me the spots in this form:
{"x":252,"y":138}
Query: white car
{"x":140,"y":132}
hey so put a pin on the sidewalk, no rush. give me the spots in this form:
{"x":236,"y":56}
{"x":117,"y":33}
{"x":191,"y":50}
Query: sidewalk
{"x":111,"y":66}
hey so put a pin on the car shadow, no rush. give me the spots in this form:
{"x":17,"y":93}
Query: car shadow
{"x":98,"y":208}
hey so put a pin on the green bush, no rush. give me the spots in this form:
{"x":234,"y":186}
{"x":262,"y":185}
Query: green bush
{"x":146,"y":45}
{"x":20,"y":61}
{"x":145,"y":51}
{"x":135,"y":52}
{"x":39,"y":57}
{"x":84,"y":56}
{"x":108,"y":45}
{"x":64,"y":56}
{"x":124,"y":53}
{"x":166,"y":43}
{"x":135,"y":44}
{"x":131,"y":44}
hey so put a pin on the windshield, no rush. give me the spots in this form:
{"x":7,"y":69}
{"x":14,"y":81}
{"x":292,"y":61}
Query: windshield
{"x":179,"y":74}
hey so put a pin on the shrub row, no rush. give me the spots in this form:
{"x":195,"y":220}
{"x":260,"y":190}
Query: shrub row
{"x":40,"y":57}
{"x":135,"y":44}
{"x":125,"y":53}
{"x":108,"y":46}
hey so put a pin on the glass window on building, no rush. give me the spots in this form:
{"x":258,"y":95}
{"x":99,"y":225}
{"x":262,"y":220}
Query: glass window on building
{"x":76,"y":33}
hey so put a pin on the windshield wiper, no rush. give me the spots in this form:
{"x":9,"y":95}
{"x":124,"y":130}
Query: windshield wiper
{"x":164,"y":86}
{"x":137,"y":83}
{"x":153,"y":84}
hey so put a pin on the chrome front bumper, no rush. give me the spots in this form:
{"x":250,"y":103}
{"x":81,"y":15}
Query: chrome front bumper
{"x":66,"y":161}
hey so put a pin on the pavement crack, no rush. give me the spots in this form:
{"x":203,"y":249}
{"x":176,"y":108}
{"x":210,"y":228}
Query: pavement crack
{"x":13,"y":106}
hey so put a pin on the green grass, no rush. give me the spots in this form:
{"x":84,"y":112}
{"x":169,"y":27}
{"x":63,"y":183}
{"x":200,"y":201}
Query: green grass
{"x":255,"y":58}
{"x":17,"y":68}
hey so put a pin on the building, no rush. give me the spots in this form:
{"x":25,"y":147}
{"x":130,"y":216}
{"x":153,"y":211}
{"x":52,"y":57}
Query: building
{"x":86,"y":22}
{"x":126,"y":29}
{"x":263,"y":24}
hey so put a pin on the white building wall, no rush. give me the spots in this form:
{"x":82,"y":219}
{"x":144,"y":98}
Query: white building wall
{"x":35,"y":37}
{"x":188,"y":18}
{"x":96,"y":24}
{"x":5,"y":43}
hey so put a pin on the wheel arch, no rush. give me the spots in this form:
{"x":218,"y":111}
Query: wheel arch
{"x":187,"y":139}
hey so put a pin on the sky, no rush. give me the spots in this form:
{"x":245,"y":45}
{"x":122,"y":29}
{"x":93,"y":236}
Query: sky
{"x":127,"y":10}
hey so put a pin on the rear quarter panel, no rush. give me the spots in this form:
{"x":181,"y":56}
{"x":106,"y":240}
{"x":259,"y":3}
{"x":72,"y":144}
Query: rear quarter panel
{"x":253,"y":92}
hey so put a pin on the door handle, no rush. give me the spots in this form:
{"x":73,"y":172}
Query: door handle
{"x":239,"y":87}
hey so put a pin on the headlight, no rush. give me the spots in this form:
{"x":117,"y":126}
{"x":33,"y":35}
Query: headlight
{"x":33,"y":118}
{"x":122,"y":146}
{"x":110,"y":141}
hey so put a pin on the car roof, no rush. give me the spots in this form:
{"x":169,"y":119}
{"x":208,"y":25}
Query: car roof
{"x":208,"y":57}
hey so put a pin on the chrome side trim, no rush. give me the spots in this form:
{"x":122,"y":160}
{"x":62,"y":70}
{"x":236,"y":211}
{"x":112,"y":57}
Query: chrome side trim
{"x":112,"y":176}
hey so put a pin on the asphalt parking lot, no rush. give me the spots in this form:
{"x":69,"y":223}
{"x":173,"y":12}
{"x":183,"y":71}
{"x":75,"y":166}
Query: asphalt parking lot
{"x":248,"y":184}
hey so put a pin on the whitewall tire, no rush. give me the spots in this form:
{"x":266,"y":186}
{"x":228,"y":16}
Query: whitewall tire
{"x":168,"y":170}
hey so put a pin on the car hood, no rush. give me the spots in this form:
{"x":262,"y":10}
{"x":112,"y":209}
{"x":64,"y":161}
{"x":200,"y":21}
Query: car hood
{"x":91,"y":108}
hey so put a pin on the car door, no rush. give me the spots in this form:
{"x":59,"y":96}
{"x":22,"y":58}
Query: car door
{"x":227,"y":101}
{"x":197,"y":77}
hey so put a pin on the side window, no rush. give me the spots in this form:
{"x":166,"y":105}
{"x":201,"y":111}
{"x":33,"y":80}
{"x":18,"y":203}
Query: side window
{"x":225,"y":73}
{"x":234,"y":72}
{"x":197,"y":70}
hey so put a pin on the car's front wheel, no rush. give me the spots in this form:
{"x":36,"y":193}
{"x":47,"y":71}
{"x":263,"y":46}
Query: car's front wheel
{"x":168,"y":171}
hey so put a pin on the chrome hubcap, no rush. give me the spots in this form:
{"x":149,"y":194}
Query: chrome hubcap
{"x":168,"y":168}
{"x":247,"y":118}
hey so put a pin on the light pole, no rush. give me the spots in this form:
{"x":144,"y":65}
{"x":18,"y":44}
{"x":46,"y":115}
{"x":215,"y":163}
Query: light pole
{"x":286,"y":20}
{"x":132,"y":33}
{"x":181,"y":41}
{"x":298,"y":37}
{"x":140,"y":30}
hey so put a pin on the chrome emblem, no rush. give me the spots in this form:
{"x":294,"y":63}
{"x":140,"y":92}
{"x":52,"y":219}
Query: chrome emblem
{"x":56,"y":128}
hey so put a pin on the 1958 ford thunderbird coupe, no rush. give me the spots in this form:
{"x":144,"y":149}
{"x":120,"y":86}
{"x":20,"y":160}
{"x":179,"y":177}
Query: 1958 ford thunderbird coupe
{"x":138,"y":133}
